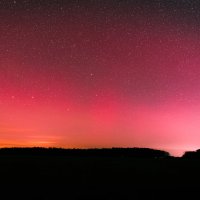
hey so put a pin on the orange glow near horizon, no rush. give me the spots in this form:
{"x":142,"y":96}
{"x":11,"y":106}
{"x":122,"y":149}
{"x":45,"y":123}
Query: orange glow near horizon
{"x":103,"y":127}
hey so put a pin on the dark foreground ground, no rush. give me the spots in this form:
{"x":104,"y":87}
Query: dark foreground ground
{"x":98,"y":177}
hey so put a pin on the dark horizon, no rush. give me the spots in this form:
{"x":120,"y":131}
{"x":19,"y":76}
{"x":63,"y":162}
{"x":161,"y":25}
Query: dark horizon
{"x":113,"y":151}
{"x":118,"y":173}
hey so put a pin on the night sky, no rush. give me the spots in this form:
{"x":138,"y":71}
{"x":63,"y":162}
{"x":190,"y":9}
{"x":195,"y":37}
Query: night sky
{"x":99,"y":73}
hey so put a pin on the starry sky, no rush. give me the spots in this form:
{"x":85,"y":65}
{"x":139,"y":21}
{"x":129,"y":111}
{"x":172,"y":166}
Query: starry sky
{"x":97,"y":73}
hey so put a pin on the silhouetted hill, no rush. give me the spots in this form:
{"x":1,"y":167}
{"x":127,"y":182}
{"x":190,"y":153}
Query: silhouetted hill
{"x":106,"y":152}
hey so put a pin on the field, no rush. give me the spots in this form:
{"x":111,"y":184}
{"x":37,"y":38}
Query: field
{"x":98,"y":177}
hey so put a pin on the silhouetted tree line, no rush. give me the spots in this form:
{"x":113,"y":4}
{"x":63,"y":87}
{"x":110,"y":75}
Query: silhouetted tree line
{"x":106,"y":152}
{"x":192,"y":154}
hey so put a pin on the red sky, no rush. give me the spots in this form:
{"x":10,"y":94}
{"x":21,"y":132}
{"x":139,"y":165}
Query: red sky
{"x":100,"y":74}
